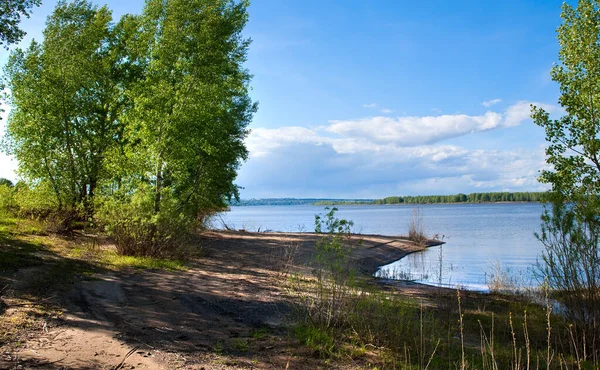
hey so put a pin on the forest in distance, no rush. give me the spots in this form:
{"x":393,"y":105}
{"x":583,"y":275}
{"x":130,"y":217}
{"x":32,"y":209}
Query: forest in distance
{"x":492,"y":197}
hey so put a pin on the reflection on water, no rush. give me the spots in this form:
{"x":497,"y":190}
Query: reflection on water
{"x":429,"y":267}
{"x":484,"y":242}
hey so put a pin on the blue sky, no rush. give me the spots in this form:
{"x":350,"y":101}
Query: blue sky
{"x":378,"y":98}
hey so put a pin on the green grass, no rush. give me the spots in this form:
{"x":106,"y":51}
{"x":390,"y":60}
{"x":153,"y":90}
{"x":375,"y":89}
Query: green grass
{"x":319,"y":340}
{"x":14,"y":252}
{"x":23,"y":243}
{"x":113,"y":259}
{"x":17,"y":226}
{"x":259,"y":333}
{"x":239,"y":344}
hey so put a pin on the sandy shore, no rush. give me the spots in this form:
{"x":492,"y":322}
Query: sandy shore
{"x":204,"y":317}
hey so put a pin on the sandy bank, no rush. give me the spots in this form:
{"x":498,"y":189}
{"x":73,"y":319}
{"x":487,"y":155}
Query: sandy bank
{"x":370,"y":253}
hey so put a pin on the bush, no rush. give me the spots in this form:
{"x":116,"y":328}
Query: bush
{"x":337,"y":311}
{"x":571,"y":266}
{"x":333,"y":270}
{"x":140,"y":231}
{"x":6,"y":199}
{"x":416,"y":231}
{"x":36,"y":201}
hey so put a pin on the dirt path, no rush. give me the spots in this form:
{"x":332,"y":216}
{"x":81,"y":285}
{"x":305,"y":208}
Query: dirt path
{"x":226,"y":311}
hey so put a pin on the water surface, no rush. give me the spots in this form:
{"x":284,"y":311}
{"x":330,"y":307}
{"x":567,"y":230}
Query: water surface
{"x":481,"y":239}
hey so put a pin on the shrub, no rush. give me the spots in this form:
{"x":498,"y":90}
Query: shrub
{"x":6,"y":199}
{"x":36,"y":201}
{"x":137,"y":229}
{"x":571,"y":266}
{"x":333,"y":269}
{"x":416,"y":231}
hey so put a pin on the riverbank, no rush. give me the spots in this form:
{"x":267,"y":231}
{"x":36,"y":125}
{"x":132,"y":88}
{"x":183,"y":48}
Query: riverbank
{"x":224,"y":309}
{"x":65,"y":305}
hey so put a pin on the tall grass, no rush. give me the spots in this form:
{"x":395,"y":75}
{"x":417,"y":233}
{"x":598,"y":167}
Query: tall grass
{"x":343,"y":315}
{"x":416,"y":228}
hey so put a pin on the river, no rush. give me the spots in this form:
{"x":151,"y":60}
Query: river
{"x":484,"y":242}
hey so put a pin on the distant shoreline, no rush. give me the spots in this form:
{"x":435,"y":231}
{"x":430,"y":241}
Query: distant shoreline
{"x":472,"y":198}
{"x":376,"y":204}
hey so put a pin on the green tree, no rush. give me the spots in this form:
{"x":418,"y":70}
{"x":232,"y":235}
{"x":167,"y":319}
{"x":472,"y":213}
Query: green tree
{"x":571,"y":261}
{"x":11,"y":12}
{"x":67,"y":99}
{"x":186,"y":129}
{"x":6,"y":182}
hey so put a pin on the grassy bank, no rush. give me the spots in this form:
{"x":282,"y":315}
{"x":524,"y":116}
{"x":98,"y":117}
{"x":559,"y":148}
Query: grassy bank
{"x":342,"y":314}
{"x":38,"y":269}
{"x":341,"y":318}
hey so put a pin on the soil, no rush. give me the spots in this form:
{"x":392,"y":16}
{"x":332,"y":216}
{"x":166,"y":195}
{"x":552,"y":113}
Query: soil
{"x":226,"y":310}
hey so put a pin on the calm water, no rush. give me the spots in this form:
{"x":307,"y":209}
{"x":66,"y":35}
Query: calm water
{"x":481,"y":239}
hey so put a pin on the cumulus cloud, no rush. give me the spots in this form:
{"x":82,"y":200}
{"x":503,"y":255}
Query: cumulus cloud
{"x":521,"y":111}
{"x":381,"y":134}
{"x":370,"y":105}
{"x":261,"y":141}
{"x":380,"y":156}
{"x":321,"y":169}
{"x":411,"y":131}
{"x":386,"y":110}
{"x":489,"y":103}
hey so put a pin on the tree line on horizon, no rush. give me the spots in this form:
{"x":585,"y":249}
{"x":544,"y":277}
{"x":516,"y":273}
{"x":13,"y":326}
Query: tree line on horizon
{"x":465,"y":198}
{"x":418,"y":199}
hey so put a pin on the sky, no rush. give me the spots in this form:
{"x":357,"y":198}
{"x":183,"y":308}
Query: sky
{"x":373,"y":98}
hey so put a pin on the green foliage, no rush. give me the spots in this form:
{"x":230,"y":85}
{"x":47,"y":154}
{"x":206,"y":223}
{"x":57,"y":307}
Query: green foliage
{"x":573,"y":139}
{"x":34,"y":201}
{"x":6,"y":182}
{"x":11,"y":12}
{"x":465,"y":198}
{"x":116,"y":260}
{"x":66,"y":99}
{"x":333,"y":270}
{"x":137,"y":229}
{"x":149,"y":115}
{"x":182,"y":150}
{"x":319,"y":340}
{"x":6,"y":198}
{"x":571,"y":262}
{"x":570,"y":230}
{"x":331,"y":225}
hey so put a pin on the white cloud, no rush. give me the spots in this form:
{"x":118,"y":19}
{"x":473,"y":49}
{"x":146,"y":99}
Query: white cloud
{"x":261,"y":141}
{"x":349,"y":168}
{"x":521,"y":111}
{"x":386,"y":110}
{"x":420,"y":130}
{"x":489,"y":103}
{"x":371,"y":105}
{"x":412,"y":131}
{"x":380,"y":133}
{"x":380,"y":156}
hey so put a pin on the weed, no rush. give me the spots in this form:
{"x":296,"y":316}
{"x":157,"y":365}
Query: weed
{"x":239,"y":344}
{"x":282,"y":257}
{"x":114,"y":259}
{"x":416,"y":230}
{"x":319,"y":340}
{"x":259,"y":333}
